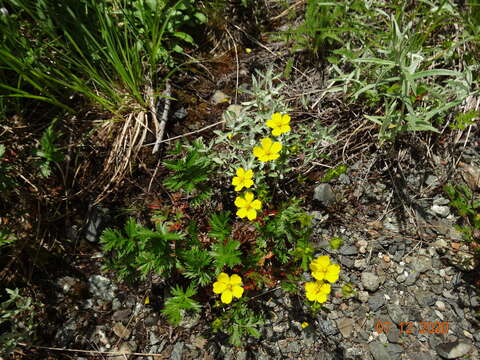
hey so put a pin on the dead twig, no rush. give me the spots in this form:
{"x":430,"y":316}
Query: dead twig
{"x":93,"y":351}
{"x":163,"y":123}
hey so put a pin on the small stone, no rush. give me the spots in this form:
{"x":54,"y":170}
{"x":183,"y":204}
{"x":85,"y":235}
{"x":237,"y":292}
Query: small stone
{"x":453,"y":350}
{"x":386,"y":351}
{"x":386,"y":258}
{"x":121,"y":315}
{"x":376,"y":301}
{"x":101,"y":287}
{"x":360,"y":263}
{"x":442,"y":211}
{"x":440,"y":305}
{"x":327,"y":327}
{"x":348,"y":250}
{"x":411,"y":278}
{"x":422,"y":264}
{"x":370,"y":281}
{"x":121,"y":331}
{"x":363,"y":296}
{"x":345,"y":326}
{"x":324,"y":194}
{"x":432,"y":180}
{"x":180,"y":114}
{"x":396,"y":313}
{"x":151,"y":320}
{"x":219,"y":97}
{"x":401,"y":278}
{"x":177,"y":351}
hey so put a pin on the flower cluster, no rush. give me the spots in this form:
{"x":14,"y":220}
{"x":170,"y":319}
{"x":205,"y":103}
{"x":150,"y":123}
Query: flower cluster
{"x":322,"y":270}
{"x":268,"y":151}
{"x":231,"y":286}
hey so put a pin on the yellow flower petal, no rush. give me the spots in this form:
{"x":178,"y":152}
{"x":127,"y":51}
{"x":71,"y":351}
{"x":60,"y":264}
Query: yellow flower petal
{"x":323,"y":261}
{"x":266,"y":143}
{"x":248,"y":183}
{"x":251,"y":214}
{"x":242,"y":212}
{"x":321,"y":298}
{"x":276,"y":147}
{"x":249,"y":174}
{"x":237,"y":291}
{"x":219,"y":287}
{"x":319,"y":275}
{"x":273,"y":157}
{"x":258,"y":151}
{"x":226,"y":297}
{"x":276,"y":132}
{"x":277,"y":117}
{"x":223,"y":277}
{"x":248,"y":197}
{"x":240,"y":172}
{"x":236,"y":181}
{"x":271,"y":124}
{"x":256,"y":204}
{"x":235,"y":280}
{"x":325,"y":288}
{"x":240,"y":202}
{"x":285,"y":119}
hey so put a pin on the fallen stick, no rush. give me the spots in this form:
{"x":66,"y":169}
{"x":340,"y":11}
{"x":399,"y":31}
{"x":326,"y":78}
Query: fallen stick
{"x":163,"y":123}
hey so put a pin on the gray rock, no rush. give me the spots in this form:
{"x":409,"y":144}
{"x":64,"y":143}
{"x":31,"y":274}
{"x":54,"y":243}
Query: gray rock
{"x":345,"y":326}
{"x":432,"y":180}
{"x":411,"y":278}
{"x":401,"y":278}
{"x":348,"y":250}
{"x":425,"y":298}
{"x":387,"y":351}
{"x":422,"y":264}
{"x":376,"y":301}
{"x":442,"y":211}
{"x":151,"y":319}
{"x":363,"y":296}
{"x":101,"y":287}
{"x":396,"y":313}
{"x":393,"y":335}
{"x":344,"y":179}
{"x":370,"y":281}
{"x":66,"y":283}
{"x":189,"y":321}
{"x":180,"y":114}
{"x":453,"y":350}
{"x":294,"y":347}
{"x":121,"y":315}
{"x":324,"y":194}
{"x":96,"y":221}
{"x":177,"y":351}
{"x":327,"y":327}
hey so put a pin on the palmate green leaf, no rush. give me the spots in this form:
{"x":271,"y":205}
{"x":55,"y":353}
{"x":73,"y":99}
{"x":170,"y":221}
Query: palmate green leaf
{"x":226,"y":254}
{"x":220,"y":227}
{"x":179,"y":302}
{"x":197,"y":265}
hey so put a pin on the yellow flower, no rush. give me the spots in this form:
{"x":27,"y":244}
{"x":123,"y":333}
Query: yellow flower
{"x":323,"y":270}
{"x":279,"y":123}
{"x":228,"y":286}
{"x":317,"y":291}
{"x":247,"y":206}
{"x":304,"y":324}
{"x":243,"y":178}
{"x":268,"y":151}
